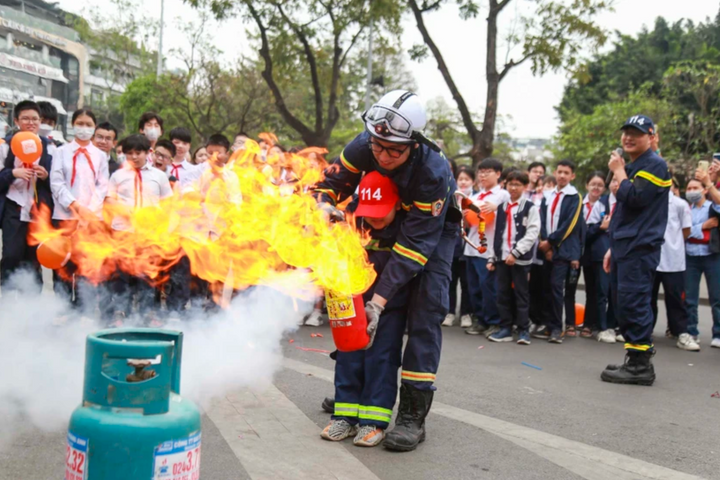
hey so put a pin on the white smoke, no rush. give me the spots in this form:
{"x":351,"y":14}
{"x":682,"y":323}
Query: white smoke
{"x":42,"y":359}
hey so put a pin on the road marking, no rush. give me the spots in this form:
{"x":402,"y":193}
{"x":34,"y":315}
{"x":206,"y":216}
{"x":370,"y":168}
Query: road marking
{"x":274,"y":439}
{"x":591,"y":463}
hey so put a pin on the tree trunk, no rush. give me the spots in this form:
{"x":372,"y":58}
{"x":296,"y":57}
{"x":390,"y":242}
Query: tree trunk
{"x":483,"y":145}
{"x":472,"y":130}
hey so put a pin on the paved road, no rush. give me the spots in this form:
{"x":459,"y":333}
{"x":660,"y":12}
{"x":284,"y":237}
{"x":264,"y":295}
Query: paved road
{"x":493,"y":418}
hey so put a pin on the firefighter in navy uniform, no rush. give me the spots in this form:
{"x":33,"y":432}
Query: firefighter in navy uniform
{"x":393,"y":144}
{"x":637,"y":232}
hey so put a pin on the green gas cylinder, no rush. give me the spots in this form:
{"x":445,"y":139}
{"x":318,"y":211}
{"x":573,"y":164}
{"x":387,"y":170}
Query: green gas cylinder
{"x":133,"y":424}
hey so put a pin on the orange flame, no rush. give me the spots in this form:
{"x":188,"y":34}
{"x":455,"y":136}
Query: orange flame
{"x":275,"y":236}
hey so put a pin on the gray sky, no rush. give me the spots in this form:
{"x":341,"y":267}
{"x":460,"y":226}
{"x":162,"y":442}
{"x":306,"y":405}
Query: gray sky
{"x":526,"y":101}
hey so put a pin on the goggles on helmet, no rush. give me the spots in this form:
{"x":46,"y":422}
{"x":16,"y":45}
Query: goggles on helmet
{"x":386,"y":122}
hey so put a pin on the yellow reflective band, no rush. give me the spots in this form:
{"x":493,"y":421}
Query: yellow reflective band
{"x":329,"y":192}
{"x":412,"y":255}
{"x":418,"y":376}
{"x":406,"y":207}
{"x":574,"y":221}
{"x":347,"y":409}
{"x":385,"y":411}
{"x":374,"y":417}
{"x":347,"y":164}
{"x":423,"y":207}
{"x":640,"y":348}
{"x":653,"y":179}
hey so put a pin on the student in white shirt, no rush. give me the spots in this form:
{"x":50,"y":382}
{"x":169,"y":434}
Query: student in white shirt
{"x":671,"y":271}
{"x":219,"y":188}
{"x":517,"y":228}
{"x":180,"y":167}
{"x":481,"y":281}
{"x":136,"y":185}
{"x":22,"y":188}
{"x":79,"y":184}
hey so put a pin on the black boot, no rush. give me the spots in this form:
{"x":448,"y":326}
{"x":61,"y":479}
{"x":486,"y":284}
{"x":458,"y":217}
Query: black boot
{"x":329,"y":405}
{"x":637,"y":370}
{"x":409,"y":428}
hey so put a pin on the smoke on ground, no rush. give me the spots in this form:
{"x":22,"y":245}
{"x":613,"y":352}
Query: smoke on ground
{"x":42,"y":352}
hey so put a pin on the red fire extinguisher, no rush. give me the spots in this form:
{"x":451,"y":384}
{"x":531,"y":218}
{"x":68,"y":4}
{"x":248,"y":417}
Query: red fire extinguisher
{"x":347,"y":321}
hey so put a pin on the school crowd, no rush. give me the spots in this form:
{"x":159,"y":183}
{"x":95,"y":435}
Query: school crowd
{"x":97,"y":174}
{"x":542,"y":235}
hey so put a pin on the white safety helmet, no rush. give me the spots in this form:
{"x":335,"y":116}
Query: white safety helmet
{"x":398,"y":117}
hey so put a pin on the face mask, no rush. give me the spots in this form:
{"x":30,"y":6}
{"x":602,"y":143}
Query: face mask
{"x":121,"y":158}
{"x":693,"y":197}
{"x":45,"y":129}
{"x":152,"y":134}
{"x":84,"y":133}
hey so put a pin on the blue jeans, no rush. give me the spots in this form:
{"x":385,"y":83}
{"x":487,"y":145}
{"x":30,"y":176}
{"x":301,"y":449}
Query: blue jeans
{"x":483,"y":292}
{"x":696,"y":266}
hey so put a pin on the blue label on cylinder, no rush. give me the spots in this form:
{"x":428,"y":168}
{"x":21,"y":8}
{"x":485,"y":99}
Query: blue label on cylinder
{"x":178,"y":459}
{"x":76,"y":465}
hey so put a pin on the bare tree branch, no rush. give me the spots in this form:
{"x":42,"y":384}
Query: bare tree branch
{"x":312,"y":63}
{"x":267,"y":74}
{"x":445,"y":71}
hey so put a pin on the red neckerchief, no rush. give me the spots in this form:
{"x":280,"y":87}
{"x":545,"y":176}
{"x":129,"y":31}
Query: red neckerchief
{"x":74,"y":166}
{"x":552,"y":209}
{"x":138,"y":187}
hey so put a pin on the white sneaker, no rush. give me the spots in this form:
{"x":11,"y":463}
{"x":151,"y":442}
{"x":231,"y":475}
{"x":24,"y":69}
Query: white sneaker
{"x":466,"y":321}
{"x":338,"y":430}
{"x":619,"y":338}
{"x":715,"y":343}
{"x":314,"y":319}
{"x":301,"y":321}
{"x":606,"y":336}
{"x":686,"y":342}
{"x":449,"y":320}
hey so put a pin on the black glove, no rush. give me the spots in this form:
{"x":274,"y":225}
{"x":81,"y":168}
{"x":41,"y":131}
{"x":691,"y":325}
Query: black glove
{"x":334,"y":214}
{"x":373,"y":312}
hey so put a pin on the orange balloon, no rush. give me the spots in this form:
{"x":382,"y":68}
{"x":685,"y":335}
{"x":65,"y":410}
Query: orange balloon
{"x":54,"y":253}
{"x":579,"y":314}
{"x":27,"y":147}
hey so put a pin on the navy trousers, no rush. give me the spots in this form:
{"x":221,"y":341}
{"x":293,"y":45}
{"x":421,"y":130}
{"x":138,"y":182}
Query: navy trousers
{"x":673,"y":284}
{"x":366,"y":380}
{"x":427,"y":306}
{"x":558,"y":278}
{"x":597,"y":290}
{"x":632,"y":278}
{"x":513,"y":294}
{"x":16,"y":253}
{"x":483,"y":293}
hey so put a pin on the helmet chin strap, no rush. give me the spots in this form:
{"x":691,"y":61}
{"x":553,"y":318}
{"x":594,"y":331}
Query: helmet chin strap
{"x":423,"y":140}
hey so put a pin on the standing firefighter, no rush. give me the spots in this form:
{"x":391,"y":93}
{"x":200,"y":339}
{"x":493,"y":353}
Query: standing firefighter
{"x":637,"y":232}
{"x":394,"y":146}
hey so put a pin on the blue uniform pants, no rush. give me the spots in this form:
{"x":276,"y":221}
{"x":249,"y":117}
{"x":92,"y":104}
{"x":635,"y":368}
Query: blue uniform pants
{"x":673,"y":284}
{"x":632,"y":278}
{"x":483,"y":291}
{"x":558,"y":277}
{"x":696,"y":266}
{"x":597,"y":289}
{"x":366,"y":380}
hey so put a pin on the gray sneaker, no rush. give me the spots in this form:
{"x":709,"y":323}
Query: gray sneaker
{"x":338,"y":430}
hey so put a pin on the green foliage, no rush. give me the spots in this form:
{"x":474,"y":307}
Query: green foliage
{"x":311,"y":54}
{"x":671,"y":73}
{"x":588,"y":140}
{"x":640,"y":60}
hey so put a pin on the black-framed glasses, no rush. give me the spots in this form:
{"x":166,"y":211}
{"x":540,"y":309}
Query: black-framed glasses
{"x":391,"y":151}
